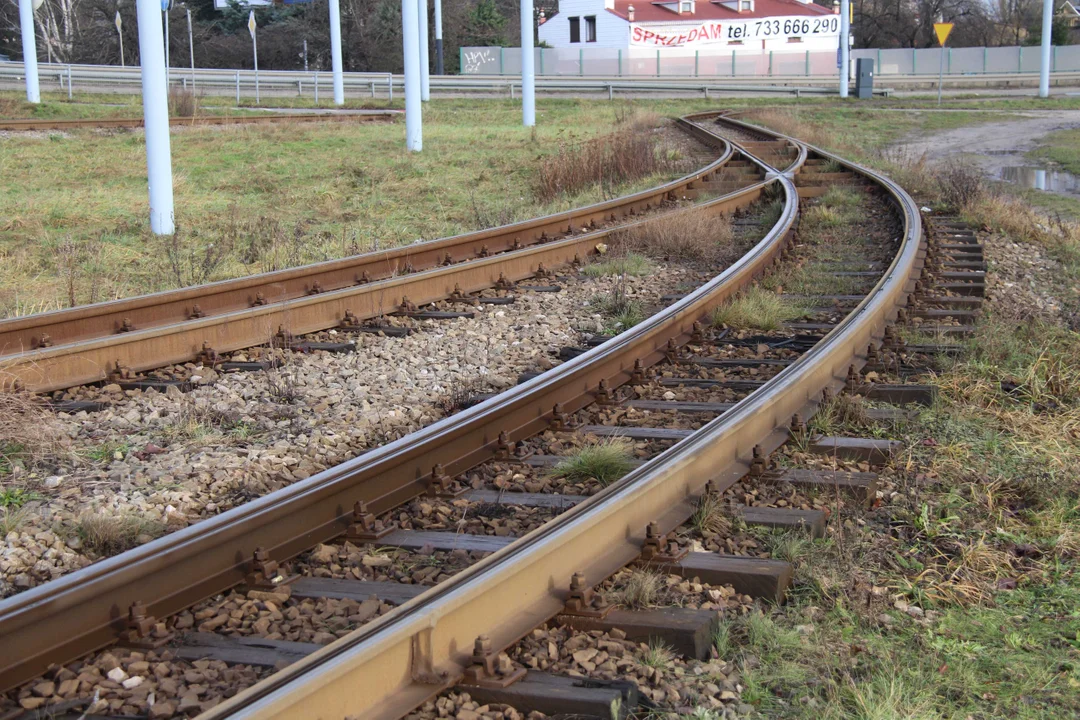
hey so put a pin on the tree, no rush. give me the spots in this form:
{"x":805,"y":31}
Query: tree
{"x":486,"y":25}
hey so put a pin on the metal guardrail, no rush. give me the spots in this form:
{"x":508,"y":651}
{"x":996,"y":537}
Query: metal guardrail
{"x":316,"y":84}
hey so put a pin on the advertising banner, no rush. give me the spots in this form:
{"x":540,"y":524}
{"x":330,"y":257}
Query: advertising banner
{"x":713,"y":32}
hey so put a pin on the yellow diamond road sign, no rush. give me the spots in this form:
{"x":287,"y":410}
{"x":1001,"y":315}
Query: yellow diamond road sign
{"x":942,"y":30}
{"x":251,"y":23}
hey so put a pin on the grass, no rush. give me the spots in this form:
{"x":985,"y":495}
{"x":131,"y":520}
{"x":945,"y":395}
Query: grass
{"x":605,"y":461}
{"x":631,"y":263}
{"x":640,"y":589}
{"x":692,"y":237}
{"x":756,"y":308}
{"x":1062,"y":148}
{"x":107,"y":535}
{"x":257,"y":198}
{"x":106,"y":452}
{"x":15,"y":498}
{"x":622,"y":311}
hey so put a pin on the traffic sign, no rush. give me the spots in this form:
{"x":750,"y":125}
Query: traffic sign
{"x":251,"y":23}
{"x":117,"y":21}
{"x":942,"y":30}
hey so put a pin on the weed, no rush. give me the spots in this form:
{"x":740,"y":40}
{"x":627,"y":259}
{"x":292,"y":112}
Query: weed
{"x":107,"y":535}
{"x":622,"y":311}
{"x":756,"y":308}
{"x":16,"y":497}
{"x":183,"y":103}
{"x":107,"y":451}
{"x":12,"y":519}
{"x":838,"y":196}
{"x":771,"y":215}
{"x":657,"y":655}
{"x":604,"y":461}
{"x":633,"y":264}
{"x":619,"y":157}
{"x":640,"y":588}
{"x":710,"y":516}
{"x":689,"y":236}
{"x":842,"y":414}
{"x":30,"y":435}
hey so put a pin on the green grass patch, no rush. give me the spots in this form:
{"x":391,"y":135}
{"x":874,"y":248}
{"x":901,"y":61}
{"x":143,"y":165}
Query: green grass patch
{"x":605,"y":461}
{"x":756,"y":308}
{"x":1062,"y":148}
{"x":633,"y":264}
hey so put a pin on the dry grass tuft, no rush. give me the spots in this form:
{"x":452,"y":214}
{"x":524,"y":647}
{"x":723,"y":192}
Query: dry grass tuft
{"x":183,"y":103}
{"x":639,"y":589}
{"x":108,"y":535}
{"x":30,"y":435}
{"x":609,"y":160}
{"x":711,"y":516}
{"x":688,"y":236}
{"x":840,"y":414}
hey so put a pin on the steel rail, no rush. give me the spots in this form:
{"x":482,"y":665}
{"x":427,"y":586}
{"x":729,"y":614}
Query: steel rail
{"x":83,"y":611}
{"x":390,"y":666}
{"x":84,"y":343}
{"x":82,"y":124}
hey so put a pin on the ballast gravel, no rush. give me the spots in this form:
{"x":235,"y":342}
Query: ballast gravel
{"x":153,"y":462}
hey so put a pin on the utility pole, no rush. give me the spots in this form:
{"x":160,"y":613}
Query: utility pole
{"x":410,"y":37}
{"x":439,"y":70}
{"x":255,"y":51}
{"x":335,"y":52}
{"x":166,"y":6}
{"x":1047,"y":36}
{"x":120,"y":34}
{"x":156,"y":116}
{"x":191,"y":47}
{"x":425,"y":82}
{"x":528,"y":78}
{"x":29,"y":50}
{"x":845,"y":31}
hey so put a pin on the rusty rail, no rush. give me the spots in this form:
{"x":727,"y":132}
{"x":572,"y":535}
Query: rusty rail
{"x":83,"y":611}
{"x":70,"y":347}
{"x":105,"y":123}
{"x":388,"y":667}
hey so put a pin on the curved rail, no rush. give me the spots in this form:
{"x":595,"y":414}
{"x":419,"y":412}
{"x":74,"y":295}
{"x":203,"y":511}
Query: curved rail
{"x":395,"y":663}
{"x":79,"y":612}
{"x":83,"y":344}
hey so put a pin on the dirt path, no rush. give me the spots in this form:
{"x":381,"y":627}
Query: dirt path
{"x":992,"y":145}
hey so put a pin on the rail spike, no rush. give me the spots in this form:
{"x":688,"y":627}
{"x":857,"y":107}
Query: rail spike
{"x":490,"y":669}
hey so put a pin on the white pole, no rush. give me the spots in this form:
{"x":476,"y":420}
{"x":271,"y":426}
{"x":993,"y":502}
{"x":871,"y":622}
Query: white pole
{"x":439,"y":69}
{"x":166,"y":48}
{"x":191,"y":48}
{"x":335,"y":52}
{"x":120,"y":34}
{"x":528,"y":79}
{"x":422,"y":26}
{"x":1047,"y":32}
{"x":29,"y":48}
{"x":155,"y":116}
{"x":410,"y":33}
{"x":845,"y":31}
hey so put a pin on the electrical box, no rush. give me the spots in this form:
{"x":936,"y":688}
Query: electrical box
{"x":864,"y":78}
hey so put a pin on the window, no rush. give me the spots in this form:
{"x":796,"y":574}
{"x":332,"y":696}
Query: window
{"x":747,"y":5}
{"x":575,"y":30}
{"x":590,"y":29}
{"x":686,"y":7}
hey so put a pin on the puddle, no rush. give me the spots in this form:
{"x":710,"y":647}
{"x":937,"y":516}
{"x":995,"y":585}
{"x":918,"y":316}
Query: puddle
{"x":1041,"y":179}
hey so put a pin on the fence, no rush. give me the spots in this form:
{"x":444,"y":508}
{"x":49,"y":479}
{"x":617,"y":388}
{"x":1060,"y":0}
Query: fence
{"x":685,"y":62}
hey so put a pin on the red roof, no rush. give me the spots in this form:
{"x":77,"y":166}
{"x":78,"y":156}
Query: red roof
{"x":651,"y":11}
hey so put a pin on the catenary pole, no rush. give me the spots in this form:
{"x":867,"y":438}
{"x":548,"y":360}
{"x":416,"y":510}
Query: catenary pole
{"x":167,"y":6}
{"x":422,"y":20}
{"x":439,"y":69}
{"x":155,"y":116}
{"x":410,"y":38}
{"x":528,"y":78}
{"x":191,"y":47}
{"x":1047,"y":37}
{"x":845,"y":31}
{"x":335,"y":51}
{"x":29,"y":50}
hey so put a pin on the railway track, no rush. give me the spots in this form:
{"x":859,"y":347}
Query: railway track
{"x":202,"y":120}
{"x":396,"y":662}
{"x":118,"y":340}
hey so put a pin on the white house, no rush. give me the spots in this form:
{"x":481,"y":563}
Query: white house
{"x":713,"y":25}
